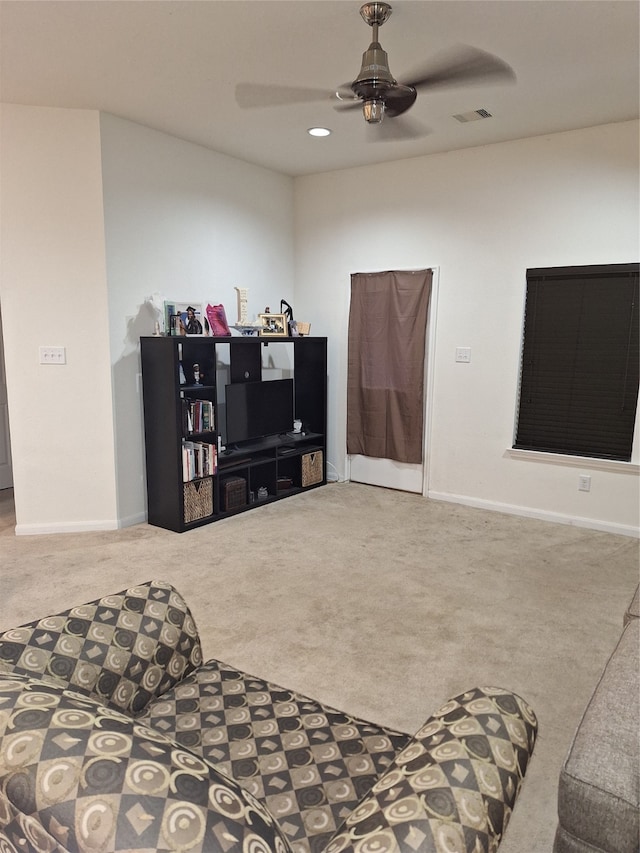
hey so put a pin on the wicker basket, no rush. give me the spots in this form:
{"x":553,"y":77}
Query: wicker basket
{"x":198,"y":499}
{"x":312,"y":468}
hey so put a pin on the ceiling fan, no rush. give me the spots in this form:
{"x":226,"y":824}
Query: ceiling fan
{"x":375,"y":89}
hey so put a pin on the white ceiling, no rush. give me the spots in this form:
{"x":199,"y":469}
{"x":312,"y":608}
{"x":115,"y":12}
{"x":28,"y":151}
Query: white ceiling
{"x":173,"y":65}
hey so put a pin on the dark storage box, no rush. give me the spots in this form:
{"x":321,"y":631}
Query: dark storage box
{"x":234,"y":493}
{"x":283,"y":484}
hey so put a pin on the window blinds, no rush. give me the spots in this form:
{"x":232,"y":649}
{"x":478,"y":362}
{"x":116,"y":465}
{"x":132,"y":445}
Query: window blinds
{"x":580,"y":360}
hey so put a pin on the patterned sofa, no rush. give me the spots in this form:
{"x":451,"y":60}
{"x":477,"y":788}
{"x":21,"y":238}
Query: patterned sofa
{"x":115,"y":736}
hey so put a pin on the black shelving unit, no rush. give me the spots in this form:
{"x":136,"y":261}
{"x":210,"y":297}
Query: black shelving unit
{"x":247,"y":476}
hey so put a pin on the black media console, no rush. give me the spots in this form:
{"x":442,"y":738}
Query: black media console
{"x":191,"y":482}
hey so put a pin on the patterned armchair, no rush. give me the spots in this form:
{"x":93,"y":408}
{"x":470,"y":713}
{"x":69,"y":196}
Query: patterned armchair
{"x":115,"y":736}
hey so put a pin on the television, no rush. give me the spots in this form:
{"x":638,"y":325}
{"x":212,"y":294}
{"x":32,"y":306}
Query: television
{"x":258,"y":409}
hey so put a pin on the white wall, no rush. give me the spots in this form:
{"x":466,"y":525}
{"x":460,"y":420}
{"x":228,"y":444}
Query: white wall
{"x":98,"y":215}
{"x":482,"y":216}
{"x":53,"y":293}
{"x":188,"y":224}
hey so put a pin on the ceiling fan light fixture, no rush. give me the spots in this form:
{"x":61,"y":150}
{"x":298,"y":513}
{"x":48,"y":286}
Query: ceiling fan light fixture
{"x":373,"y":111}
{"x":319,"y":131}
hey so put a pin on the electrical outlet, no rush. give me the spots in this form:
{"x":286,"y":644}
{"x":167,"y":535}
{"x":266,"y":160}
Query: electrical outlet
{"x":463,"y":354}
{"x":53,"y":355}
{"x":584,"y":483}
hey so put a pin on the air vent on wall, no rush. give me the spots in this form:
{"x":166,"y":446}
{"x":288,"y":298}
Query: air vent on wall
{"x":474,"y":115}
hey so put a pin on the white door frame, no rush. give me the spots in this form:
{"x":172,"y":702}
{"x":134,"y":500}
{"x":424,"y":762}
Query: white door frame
{"x":429,"y":378}
{"x":6,"y":471}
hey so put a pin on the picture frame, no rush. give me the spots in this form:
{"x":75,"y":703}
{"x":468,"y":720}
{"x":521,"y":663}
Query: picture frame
{"x":273,"y":326}
{"x":178,"y":319}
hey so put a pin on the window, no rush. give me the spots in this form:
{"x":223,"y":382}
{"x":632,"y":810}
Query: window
{"x":580,"y":359}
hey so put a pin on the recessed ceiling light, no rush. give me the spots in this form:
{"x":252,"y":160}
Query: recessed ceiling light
{"x":319,"y":131}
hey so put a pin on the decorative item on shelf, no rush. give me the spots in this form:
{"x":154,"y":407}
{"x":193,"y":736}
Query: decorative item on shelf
{"x":283,"y":484}
{"x":243,"y":301}
{"x":287,"y":310}
{"x":192,"y":324}
{"x":218,"y":321}
{"x":169,"y":317}
{"x":184,"y":318}
{"x":273,"y":325}
{"x":296,"y":327}
{"x":196,"y":374}
{"x":263,"y":494}
{"x":297,"y":426}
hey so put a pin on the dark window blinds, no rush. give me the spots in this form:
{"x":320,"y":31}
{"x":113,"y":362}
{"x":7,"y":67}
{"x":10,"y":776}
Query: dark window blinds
{"x":580,"y":359}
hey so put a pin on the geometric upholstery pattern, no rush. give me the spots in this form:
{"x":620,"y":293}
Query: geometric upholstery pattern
{"x":78,"y":776}
{"x":115,"y":737}
{"x":309,"y":764}
{"x":123,"y":649}
{"x":454,"y":787}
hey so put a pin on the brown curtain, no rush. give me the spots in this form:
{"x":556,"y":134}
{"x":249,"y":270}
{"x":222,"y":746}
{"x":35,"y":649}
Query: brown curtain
{"x":387,"y":330}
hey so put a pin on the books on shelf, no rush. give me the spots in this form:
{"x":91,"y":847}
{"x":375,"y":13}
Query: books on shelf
{"x":199,"y":459}
{"x":197,"y":416}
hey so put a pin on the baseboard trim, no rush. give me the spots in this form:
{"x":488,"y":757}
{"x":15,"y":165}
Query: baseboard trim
{"x":129,"y":521}
{"x":540,"y":514}
{"x":64,"y":527}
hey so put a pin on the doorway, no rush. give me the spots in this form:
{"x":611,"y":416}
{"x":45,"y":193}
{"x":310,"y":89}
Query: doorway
{"x":409,"y":476}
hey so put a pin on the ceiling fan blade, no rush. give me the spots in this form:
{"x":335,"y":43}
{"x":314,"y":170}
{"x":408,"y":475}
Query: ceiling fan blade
{"x":398,"y":100}
{"x":345,"y":93}
{"x":250,"y":95}
{"x":462,"y":65}
{"x":345,"y":106}
{"x":396,"y":130}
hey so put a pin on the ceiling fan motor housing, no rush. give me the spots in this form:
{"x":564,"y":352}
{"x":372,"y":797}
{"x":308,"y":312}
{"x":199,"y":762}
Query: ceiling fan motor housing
{"x":373,"y":82}
{"x":374,"y":73}
{"x":375,"y":78}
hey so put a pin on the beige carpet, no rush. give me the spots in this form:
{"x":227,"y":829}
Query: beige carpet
{"x":378,"y":602}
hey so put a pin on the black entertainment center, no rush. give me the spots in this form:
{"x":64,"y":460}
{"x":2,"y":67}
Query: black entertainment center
{"x":218,"y":448}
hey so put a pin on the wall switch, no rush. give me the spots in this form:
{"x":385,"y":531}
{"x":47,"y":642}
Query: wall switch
{"x":53,"y":355}
{"x":584,"y":483}
{"x":463,"y":354}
